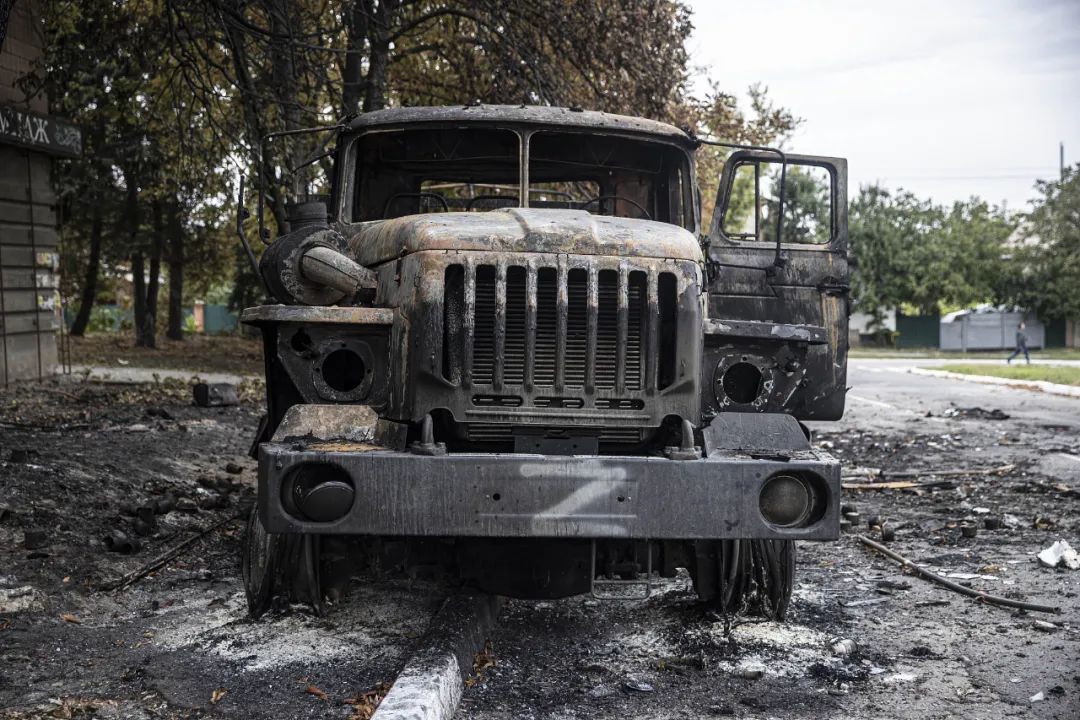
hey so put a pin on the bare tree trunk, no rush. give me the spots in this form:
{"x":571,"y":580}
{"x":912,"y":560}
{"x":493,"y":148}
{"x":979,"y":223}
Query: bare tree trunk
{"x":175,"y":230}
{"x":89,"y":289}
{"x":138,"y":261}
{"x":379,"y":56}
{"x":353,"y":84}
{"x":150,"y":329}
{"x":283,"y":82}
{"x":138,"y":296}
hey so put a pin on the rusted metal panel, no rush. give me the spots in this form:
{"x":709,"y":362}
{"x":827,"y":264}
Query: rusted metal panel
{"x":531,"y":117}
{"x":515,"y":230}
{"x":327,"y":314}
{"x":504,"y":495}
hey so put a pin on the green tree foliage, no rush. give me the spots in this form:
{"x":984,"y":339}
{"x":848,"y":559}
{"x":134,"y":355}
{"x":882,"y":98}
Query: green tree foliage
{"x":1043,"y":271}
{"x":719,"y":117}
{"x":148,"y":175}
{"x":176,"y":95}
{"x":906,"y":251}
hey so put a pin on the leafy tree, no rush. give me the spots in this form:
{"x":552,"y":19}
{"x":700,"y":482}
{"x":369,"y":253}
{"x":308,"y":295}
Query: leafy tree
{"x":909,"y":251}
{"x":176,"y":96}
{"x":1043,"y":270}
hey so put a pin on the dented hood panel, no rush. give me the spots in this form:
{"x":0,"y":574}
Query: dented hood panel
{"x":516,"y":230}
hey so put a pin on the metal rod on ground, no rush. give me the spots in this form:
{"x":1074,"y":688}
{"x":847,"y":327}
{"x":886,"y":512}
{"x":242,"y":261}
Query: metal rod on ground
{"x":160,"y":562}
{"x":955,"y":587}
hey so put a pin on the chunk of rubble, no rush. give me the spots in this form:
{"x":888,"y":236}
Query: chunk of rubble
{"x":749,"y":670}
{"x":1060,"y":554}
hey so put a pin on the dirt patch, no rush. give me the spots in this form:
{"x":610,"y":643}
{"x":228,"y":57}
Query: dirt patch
{"x":82,"y":461}
{"x":238,"y":354}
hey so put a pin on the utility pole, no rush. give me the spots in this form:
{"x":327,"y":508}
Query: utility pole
{"x":1061,"y":160}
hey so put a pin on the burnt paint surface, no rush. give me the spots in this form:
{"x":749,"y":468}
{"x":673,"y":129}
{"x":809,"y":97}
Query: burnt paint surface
{"x":808,"y":288}
{"x":520,"y":495}
{"x":784,"y":324}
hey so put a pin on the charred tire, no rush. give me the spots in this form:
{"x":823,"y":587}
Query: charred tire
{"x":259,"y":565}
{"x":280,"y":565}
{"x":753,"y":577}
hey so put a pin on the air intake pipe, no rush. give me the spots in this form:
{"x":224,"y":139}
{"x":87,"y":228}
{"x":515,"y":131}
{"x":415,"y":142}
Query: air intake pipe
{"x":309,"y":265}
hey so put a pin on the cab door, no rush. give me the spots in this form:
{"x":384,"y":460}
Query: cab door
{"x":776,"y":337}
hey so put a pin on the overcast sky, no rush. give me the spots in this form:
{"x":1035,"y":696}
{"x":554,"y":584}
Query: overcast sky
{"x":946,"y":98}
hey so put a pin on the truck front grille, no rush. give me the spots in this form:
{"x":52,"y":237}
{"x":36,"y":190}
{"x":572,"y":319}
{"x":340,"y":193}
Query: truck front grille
{"x":604,"y":325}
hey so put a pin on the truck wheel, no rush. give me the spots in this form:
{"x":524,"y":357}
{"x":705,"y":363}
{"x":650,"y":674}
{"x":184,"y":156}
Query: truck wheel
{"x":280,"y":565}
{"x":259,"y":565}
{"x":744,"y":576}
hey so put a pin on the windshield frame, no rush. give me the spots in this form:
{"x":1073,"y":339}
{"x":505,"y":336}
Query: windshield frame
{"x":346,"y":172}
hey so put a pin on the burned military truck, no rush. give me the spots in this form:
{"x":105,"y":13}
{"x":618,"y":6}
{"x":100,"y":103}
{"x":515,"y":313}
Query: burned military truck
{"x":508,"y":347}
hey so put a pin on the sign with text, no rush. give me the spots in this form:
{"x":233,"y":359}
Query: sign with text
{"x":39,"y":132}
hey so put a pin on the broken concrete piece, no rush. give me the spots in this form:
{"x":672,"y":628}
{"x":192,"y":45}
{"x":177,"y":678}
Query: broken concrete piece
{"x":215,"y":395}
{"x":842,"y":647}
{"x":750,"y":670}
{"x":1060,"y":554}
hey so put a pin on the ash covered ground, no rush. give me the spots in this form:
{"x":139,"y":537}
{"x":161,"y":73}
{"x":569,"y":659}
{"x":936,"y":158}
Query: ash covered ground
{"x":80,"y":462}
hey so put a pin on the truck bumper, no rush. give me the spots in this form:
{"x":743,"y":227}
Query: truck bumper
{"x":543,"y":496}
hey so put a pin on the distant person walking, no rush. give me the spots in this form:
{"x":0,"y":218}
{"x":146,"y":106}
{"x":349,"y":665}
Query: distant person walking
{"x":1021,"y":345}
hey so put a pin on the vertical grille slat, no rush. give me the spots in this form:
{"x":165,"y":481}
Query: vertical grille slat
{"x":592,"y":318}
{"x":560,"y":329}
{"x":607,"y":331}
{"x":470,"y":321}
{"x":652,"y":332}
{"x":547,"y":326}
{"x":577,"y":311}
{"x":620,"y":347}
{"x":514,"y":341}
{"x":636,"y":313}
{"x":499,"y":359}
{"x":483,"y":350}
{"x":596,"y":328}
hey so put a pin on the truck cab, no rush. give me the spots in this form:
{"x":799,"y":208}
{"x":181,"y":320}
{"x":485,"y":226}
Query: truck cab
{"x":509,"y":347}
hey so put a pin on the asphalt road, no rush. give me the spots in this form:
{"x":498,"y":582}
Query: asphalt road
{"x":922,"y":652}
{"x":178,"y":644}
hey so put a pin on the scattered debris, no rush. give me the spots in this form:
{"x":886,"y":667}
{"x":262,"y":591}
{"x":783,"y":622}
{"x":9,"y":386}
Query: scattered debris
{"x":749,"y":670}
{"x":1060,"y":554}
{"x":968,"y":530}
{"x":1045,"y":626}
{"x":842,"y":647}
{"x":234,"y":469}
{"x":164,"y":559}
{"x":215,"y":697}
{"x":69,"y":618}
{"x":975,"y":413}
{"x":35,"y":539}
{"x":862,"y":603}
{"x":365,"y":704}
{"x":118,"y":541}
{"x":1038,"y":697}
{"x":312,"y":690}
{"x":18,"y":599}
{"x":215,"y":395}
{"x":981,"y":596}
{"x":639,"y":686}
{"x":22,"y":455}
{"x":1043,"y":523}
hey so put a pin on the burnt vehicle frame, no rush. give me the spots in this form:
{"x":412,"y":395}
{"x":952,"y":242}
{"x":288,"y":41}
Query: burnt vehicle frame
{"x":543,"y":399}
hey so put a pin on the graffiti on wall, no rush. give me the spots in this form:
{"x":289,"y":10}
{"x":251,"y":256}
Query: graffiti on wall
{"x":39,"y":132}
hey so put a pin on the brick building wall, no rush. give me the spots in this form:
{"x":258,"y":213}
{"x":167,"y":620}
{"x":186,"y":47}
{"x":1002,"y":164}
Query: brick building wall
{"x":29,"y":299}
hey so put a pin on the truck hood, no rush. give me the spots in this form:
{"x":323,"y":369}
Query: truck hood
{"x":518,"y":230}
